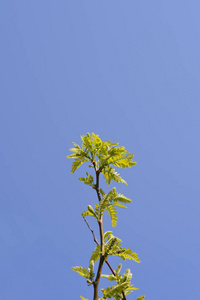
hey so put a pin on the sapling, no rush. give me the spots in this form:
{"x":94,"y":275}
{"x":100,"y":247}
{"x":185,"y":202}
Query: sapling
{"x":103,"y":157}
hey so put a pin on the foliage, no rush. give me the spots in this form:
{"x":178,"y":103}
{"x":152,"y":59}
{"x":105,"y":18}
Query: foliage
{"x":103,"y":157}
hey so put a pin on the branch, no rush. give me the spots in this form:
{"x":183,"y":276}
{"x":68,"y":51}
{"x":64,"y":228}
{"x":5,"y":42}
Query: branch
{"x":95,"y":240}
{"x":106,"y":261}
{"x":96,"y":187}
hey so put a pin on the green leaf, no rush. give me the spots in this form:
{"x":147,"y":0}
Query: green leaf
{"x":113,"y":214}
{"x":106,"y":235}
{"x":110,"y":245}
{"x":130,"y":289}
{"x":82,"y":271}
{"x":83,"y":298}
{"x":87,"y":141}
{"x":106,"y":199}
{"x":76,"y":164}
{"x":91,"y":270}
{"x":110,"y":174}
{"x":118,"y":269}
{"x":102,"y":192}
{"x":124,"y":160}
{"x":119,"y":205}
{"x":80,"y":156}
{"x":109,"y":277}
{"x":121,"y":198}
{"x":89,"y":180}
{"x":127,"y":254}
{"x":141,"y":297}
{"x":96,"y":253}
{"x":128,"y":275}
{"x":113,"y":291}
{"x":91,"y":210}
{"x":88,"y":213}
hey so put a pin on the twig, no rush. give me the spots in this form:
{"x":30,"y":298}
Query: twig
{"x":95,"y":240}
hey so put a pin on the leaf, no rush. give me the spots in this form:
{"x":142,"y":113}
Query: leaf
{"x":80,"y":156}
{"x":130,"y":289}
{"x":110,"y":245}
{"x":106,"y":200}
{"x":109,"y":277}
{"x":91,"y":210}
{"x":106,"y":235}
{"x":88,"y":213}
{"x":127,"y":254}
{"x":89,"y":180}
{"x":111,"y":292}
{"x":91,"y":270}
{"x":110,"y":174}
{"x":125,"y":160}
{"x":128,"y":275}
{"x":76,"y":164}
{"x":83,"y":298}
{"x":141,"y":297}
{"x":121,"y":198}
{"x":87,"y":141}
{"x":111,"y":236}
{"x":119,"y":205}
{"x":118,"y":269}
{"x":102,"y":192}
{"x":96,"y":253}
{"x":82,"y":271}
{"x":113,"y":214}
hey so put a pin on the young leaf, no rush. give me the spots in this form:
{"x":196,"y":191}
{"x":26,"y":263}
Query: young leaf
{"x":109,"y":277}
{"x":113,"y":214}
{"x":88,"y":213}
{"x":106,"y":235}
{"x":119,"y":205}
{"x":117,"y":289}
{"x":82,"y":271}
{"x":91,"y":270}
{"x":121,"y":198}
{"x":76,"y":164}
{"x":106,"y":199}
{"x":110,"y":246}
{"x":89,"y":180}
{"x":118,"y":269}
{"x":141,"y":297}
{"x":127,"y":254}
{"x":96,"y":253}
{"x":91,"y":210}
{"x":110,"y":174}
{"x":102,"y":192}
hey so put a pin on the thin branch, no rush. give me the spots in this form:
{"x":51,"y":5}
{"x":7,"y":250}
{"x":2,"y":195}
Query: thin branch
{"x":95,"y":240}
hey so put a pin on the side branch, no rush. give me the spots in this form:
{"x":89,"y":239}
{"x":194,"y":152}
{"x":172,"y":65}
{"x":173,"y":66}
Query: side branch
{"x":95,"y":240}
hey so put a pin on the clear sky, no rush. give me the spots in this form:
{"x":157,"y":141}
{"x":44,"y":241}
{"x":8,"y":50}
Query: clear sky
{"x":128,"y":71}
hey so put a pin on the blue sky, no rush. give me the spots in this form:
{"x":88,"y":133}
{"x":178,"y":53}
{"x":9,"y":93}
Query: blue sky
{"x":128,"y":71}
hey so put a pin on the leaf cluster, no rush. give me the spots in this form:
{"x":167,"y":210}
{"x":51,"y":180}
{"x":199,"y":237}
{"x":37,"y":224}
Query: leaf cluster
{"x":113,"y":247}
{"x":103,"y":156}
{"x":123,"y":285}
{"x":108,"y":202}
{"x":87,"y":273}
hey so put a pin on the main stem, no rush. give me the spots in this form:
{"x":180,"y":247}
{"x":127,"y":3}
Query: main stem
{"x":100,"y":223}
{"x":102,"y":256}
